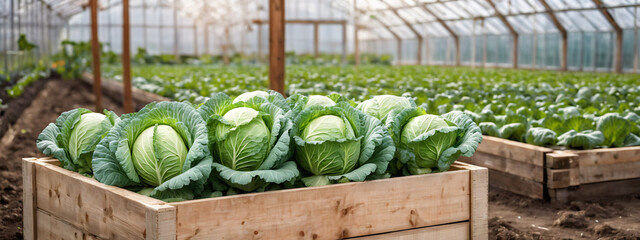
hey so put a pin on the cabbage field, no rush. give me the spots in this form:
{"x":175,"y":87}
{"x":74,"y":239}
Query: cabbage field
{"x":567,"y":110}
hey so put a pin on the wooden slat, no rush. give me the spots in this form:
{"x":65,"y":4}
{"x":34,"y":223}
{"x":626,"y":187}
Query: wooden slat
{"x":161,"y":222}
{"x":607,"y":156}
{"x":513,"y":150}
{"x":126,"y":59}
{"x":330,"y":212}
{"x":52,"y":228}
{"x":95,"y":54}
{"x":455,"y":231}
{"x":609,"y":172}
{"x":558,"y":178}
{"x":106,"y":211}
{"x":560,"y":159}
{"x":522,"y":169}
{"x":596,"y":190}
{"x":28,"y":199}
{"x":479,"y":180}
{"x":516,"y":184}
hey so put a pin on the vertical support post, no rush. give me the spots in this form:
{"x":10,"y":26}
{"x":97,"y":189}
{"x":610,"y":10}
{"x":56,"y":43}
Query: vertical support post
{"x":176,"y":52}
{"x":457,"y":46}
{"x":344,"y":43}
{"x":419,"y":53}
{"x":535,"y":45}
{"x":276,"y":45}
{"x":316,"y":52}
{"x":514,"y":54}
{"x":635,"y":39}
{"x":95,"y":52}
{"x":126,"y":59}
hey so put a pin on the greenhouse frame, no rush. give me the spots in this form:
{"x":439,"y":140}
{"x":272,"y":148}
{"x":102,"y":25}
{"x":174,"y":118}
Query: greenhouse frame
{"x":574,"y":35}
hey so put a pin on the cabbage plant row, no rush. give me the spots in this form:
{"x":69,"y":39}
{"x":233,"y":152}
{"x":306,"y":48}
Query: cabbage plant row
{"x":569,"y":110}
{"x":257,"y":141}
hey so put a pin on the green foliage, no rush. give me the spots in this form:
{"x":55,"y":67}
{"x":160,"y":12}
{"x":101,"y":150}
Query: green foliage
{"x":24,"y":44}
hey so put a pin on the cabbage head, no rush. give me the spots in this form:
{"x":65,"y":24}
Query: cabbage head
{"x":74,"y":136}
{"x":257,"y":97}
{"x":382,"y":106}
{"x":250,"y":143}
{"x":428,"y":143}
{"x":162,"y":148}
{"x":340,"y":144}
{"x":298,"y":102}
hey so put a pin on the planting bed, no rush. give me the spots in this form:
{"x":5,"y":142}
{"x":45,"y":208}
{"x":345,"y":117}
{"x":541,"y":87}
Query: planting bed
{"x":559,"y":175}
{"x":453,"y":204}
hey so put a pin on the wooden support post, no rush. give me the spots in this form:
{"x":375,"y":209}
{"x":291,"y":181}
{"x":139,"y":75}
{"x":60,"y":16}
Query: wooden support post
{"x":457,"y":46}
{"x":95,"y":52}
{"x":514,"y":54}
{"x":276,"y":45}
{"x":316,"y":52}
{"x":344,"y":43}
{"x":126,"y":59}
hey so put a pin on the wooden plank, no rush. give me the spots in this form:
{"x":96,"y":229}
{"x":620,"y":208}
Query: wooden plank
{"x":455,"y":231}
{"x":50,"y":227}
{"x":28,"y":198}
{"x":499,"y":163}
{"x":605,"y":156}
{"x":560,"y":159}
{"x":513,"y":150}
{"x":558,"y":178}
{"x":276,"y":45}
{"x":316,"y":51}
{"x":161,"y":222}
{"x":479,"y":203}
{"x":126,"y":59}
{"x":106,"y":211}
{"x":95,"y":53}
{"x":516,"y":184}
{"x":596,"y":190}
{"x":609,"y":172}
{"x":330,"y":212}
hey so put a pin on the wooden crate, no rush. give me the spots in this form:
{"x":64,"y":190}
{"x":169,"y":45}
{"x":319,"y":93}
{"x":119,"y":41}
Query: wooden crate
{"x":545,"y":173}
{"x":60,"y":204}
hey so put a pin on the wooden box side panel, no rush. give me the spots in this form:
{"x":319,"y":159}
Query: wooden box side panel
{"x":516,"y":184}
{"x":330,"y":212}
{"x":104,"y":211}
{"x":50,"y":227}
{"x":601,"y":165}
{"x":513,"y":150}
{"x":454,"y":231}
{"x":510,"y":166}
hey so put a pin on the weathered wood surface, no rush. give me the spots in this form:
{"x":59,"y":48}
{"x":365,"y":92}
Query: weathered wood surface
{"x":596,"y":190}
{"x":456,"y":231}
{"x":503,"y":164}
{"x":611,"y":164}
{"x":453,"y":204}
{"x":516,"y":184}
{"x":105,"y":211}
{"x":330,"y":212}
{"x":517,"y":151}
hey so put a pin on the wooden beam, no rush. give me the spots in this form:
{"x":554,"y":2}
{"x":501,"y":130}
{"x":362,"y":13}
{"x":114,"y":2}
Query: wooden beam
{"x":415,"y":32}
{"x":617,"y":61}
{"x":302,"y":21}
{"x":126,"y":59}
{"x":276,"y":45}
{"x":95,"y":52}
{"x":453,"y":34}
{"x":316,"y":52}
{"x":563,"y":34}
{"x":513,"y":32}
{"x":344,"y":43}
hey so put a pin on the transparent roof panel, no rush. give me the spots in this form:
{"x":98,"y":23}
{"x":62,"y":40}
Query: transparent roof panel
{"x":624,"y":16}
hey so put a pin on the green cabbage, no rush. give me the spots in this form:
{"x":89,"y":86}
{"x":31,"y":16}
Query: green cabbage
{"x":74,"y":136}
{"x":381,"y":106}
{"x":249,"y":142}
{"x":163,"y":147}
{"x":427,"y":143}
{"x":339,"y":143}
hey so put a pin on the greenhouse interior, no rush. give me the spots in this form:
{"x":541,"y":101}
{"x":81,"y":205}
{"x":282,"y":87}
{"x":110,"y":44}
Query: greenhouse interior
{"x":319,"y":119}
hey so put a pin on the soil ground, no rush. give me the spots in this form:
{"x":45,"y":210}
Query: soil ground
{"x":510,"y":216}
